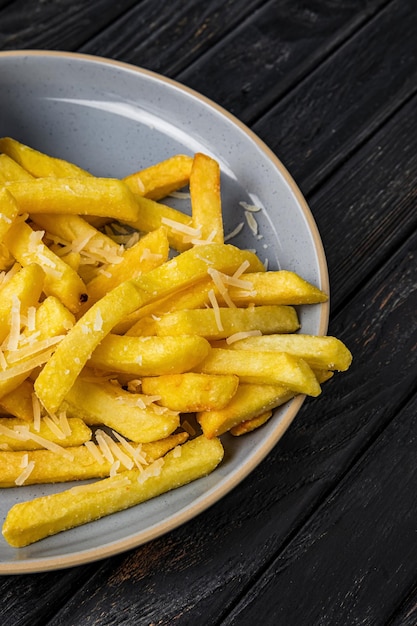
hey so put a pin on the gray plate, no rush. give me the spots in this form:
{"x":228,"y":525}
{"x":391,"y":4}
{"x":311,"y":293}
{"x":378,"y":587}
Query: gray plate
{"x":113,"y":119}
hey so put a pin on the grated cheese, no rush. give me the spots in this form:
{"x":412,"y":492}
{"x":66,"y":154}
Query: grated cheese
{"x":234,"y":232}
{"x":36,"y":409}
{"x":24,"y":460}
{"x":104,"y":447}
{"x":135,"y":453}
{"x":252,"y":223}
{"x":45,"y":443}
{"x":217,"y":278}
{"x":114,"y":469}
{"x":3,"y":362}
{"x":154,"y":469}
{"x":180,"y":195}
{"x":15,"y":324}
{"x":98,"y":321}
{"x":242,"y":335}
{"x":12,"y":433}
{"x":21,"y":479}
{"x":31,"y":318}
{"x":64,"y":424}
{"x":252,"y":208}
{"x":26,"y":366}
{"x":54,"y":428}
{"x":28,"y":351}
{"x":182,"y":228}
{"x":94,"y":451}
{"x":216,"y":309}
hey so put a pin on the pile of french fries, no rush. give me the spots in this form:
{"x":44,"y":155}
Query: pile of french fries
{"x":132,"y":336}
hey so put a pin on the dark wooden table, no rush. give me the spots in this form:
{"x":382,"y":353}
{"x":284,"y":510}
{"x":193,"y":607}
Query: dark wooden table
{"x":324,"y":531}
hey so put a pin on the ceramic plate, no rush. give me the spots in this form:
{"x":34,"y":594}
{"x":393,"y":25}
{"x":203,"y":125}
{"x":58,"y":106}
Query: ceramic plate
{"x":113,"y":119}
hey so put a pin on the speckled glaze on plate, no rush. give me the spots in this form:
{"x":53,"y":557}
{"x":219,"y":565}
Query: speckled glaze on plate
{"x":112,"y":119}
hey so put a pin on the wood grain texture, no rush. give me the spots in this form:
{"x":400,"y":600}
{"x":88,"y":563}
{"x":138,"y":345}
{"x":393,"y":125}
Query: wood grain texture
{"x":347,"y":99}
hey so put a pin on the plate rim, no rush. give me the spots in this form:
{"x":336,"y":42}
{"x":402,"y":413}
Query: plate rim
{"x":202,"y":503}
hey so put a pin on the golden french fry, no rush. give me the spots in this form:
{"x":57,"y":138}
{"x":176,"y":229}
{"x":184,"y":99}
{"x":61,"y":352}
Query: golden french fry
{"x":192,"y":392}
{"x":104,"y":197}
{"x":149,"y":356}
{"x":15,"y":434}
{"x":52,"y":321}
{"x":327,"y":353}
{"x":31,"y":521}
{"x":248,"y":426}
{"x":270,"y":368}
{"x":206,"y":206}
{"x":222,"y":322}
{"x":275,"y":287}
{"x":37,"y":163}
{"x":60,"y":279}
{"x":10,"y":170}
{"x":153,"y":215}
{"x":78,"y":235}
{"x":78,"y":462}
{"x":249,"y":401}
{"x":24,"y":289}
{"x":127,"y":413}
{"x":9,"y":210}
{"x":149,"y":252}
{"x":161,"y":179}
{"x":188,"y":268}
{"x":18,"y":402}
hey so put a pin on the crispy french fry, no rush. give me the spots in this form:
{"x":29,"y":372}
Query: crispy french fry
{"x":223,"y":322}
{"x":250,"y":425}
{"x":79,"y":462}
{"x":188,"y":268}
{"x":60,"y":279}
{"x":15,"y":433}
{"x":275,"y":287}
{"x":192,"y":392}
{"x":78,"y":235}
{"x":52,"y":320}
{"x":10,"y":170}
{"x":249,"y":401}
{"x":327,"y":353}
{"x":149,"y":356}
{"x":104,"y":197}
{"x":31,"y":521}
{"x":149,"y":252}
{"x":9,"y":210}
{"x":18,"y":402}
{"x":127,"y":413}
{"x":24,"y":287}
{"x":153,"y":215}
{"x":161,"y":179}
{"x":37,"y":163}
{"x":206,"y":206}
{"x":271,"y":368}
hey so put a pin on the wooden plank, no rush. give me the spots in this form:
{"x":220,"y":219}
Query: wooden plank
{"x":355,"y":559}
{"x":322,"y":122}
{"x":233,"y":543}
{"x":167,"y":36}
{"x":33,"y":24}
{"x":373,"y":197}
{"x":272,"y":51}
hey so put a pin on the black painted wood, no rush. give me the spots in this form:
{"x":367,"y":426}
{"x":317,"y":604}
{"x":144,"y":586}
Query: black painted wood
{"x":330,"y":87}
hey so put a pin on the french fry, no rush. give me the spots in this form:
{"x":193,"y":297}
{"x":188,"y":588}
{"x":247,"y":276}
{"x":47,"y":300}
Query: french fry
{"x":191,"y":392}
{"x":275,"y":287}
{"x":188,"y":268}
{"x":250,"y":425}
{"x":76,"y":233}
{"x":24,"y":287}
{"x":127,"y":413}
{"x":271,"y":368}
{"x":10,"y":170}
{"x":159,"y":180}
{"x":52,"y":320}
{"x":153,"y":215}
{"x":206,"y":206}
{"x":149,"y":252}
{"x":9,"y":210}
{"x":18,"y":402}
{"x":37,"y":163}
{"x":15,"y":434}
{"x":220,"y":323}
{"x":31,"y":521}
{"x":149,"y":356}
{"x":249,"y":401}
{"x":327,"y":353}
{"x":79,"y":462}
{"x":104,"y":197}
{"x":60,"y":279}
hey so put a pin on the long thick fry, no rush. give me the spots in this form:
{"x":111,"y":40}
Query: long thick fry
{"x":188,"y":268}
{"x":31,"y":521}
{"x":79,"y":462}
{"x":160,"y":179}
